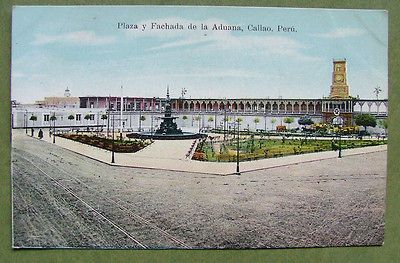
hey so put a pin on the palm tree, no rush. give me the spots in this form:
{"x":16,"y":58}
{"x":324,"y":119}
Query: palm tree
{"x":87,"y":118}
{"x":71,"y":118}
{"x":256,"y":121}
{"x":53,"y":118}
{"x":273,"y":121}
{"x":33,"y":118}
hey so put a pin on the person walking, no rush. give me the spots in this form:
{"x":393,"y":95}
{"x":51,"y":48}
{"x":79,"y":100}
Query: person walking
{"x":40,"y":134}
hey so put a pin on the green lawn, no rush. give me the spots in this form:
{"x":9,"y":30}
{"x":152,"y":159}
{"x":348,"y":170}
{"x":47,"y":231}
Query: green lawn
{"x":265,"y":148}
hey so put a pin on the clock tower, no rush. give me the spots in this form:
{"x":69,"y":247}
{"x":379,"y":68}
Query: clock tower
{"x":339,"y":87}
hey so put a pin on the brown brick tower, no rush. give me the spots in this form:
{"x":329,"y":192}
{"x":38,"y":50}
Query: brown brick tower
{"x":339,"y":87}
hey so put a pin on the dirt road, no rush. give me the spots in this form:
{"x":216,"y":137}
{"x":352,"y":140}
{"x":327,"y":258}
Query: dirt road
{"x":62,"y":199}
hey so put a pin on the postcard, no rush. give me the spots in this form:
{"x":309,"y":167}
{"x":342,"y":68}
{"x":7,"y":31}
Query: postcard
{"x":188,"y":127}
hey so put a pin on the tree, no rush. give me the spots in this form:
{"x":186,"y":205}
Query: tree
{"x":273,"y":121}
{"x":104,"y":117}
{"x":33,"y":118}
{"x":256,"y":121}
{"x":142,"y":118}
{"x":210,"y":119}
{"x":365,"y":120}
{"x":239,"y":120}
{"x":288,"y":120}
{"x":383,"y":124}
{"x":305,"y":120}
{"x":87,"y":118}
{"x":71,"y":118}
{"x":53,"y":118}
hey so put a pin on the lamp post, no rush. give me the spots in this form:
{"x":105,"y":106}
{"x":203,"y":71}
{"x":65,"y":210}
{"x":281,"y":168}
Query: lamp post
{"x":108,"y":117}
{"x":53,"y":118}
{"x":225,"y":123}
{"x":112,"y":146}
{"x":237,"y":149}
{"x":338,"y":121}
{"x":26,"y":121}
{"x":152,"y":116}
{"x":97,"y":126}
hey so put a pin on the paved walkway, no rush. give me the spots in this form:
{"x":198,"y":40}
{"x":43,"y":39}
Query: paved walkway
{"x":170,"y":155}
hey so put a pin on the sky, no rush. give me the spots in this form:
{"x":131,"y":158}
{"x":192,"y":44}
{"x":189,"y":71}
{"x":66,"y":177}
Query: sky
{"x":84,"y":49}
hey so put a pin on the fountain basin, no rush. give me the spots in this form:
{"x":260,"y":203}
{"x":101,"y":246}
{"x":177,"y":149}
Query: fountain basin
{"x":177,"y":136}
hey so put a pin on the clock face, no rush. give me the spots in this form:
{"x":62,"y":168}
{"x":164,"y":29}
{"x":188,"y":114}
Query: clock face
{"x":338,"y":78}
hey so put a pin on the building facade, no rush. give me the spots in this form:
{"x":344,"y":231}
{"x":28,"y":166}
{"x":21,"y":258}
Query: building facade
{"x":130,"y":108}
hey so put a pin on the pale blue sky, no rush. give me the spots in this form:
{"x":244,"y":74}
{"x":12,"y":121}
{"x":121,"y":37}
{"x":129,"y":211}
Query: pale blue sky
{"x":82,"y":48}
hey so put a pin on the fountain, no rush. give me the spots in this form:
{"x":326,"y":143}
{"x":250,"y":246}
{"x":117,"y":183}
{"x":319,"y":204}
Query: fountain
{"x":168,"y":129}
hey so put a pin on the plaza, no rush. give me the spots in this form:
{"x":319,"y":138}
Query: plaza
{"x":65,"y":199}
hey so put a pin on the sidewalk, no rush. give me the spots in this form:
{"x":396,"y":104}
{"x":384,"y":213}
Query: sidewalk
{"x":170,"y":155}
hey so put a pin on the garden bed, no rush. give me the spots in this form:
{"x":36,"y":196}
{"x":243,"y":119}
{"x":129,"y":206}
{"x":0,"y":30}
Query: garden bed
{"x":255,"y":149}
{"x":120,"y":146}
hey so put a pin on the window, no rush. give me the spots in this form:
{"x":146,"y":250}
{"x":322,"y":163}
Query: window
{"x":46,"y":117}
{"x":78,"y":117}
{"x":91,"y":117}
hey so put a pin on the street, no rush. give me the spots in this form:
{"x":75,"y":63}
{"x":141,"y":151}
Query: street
{"x":64,"y":199}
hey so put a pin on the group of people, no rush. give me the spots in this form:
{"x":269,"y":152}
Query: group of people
{"x":40,"y":133}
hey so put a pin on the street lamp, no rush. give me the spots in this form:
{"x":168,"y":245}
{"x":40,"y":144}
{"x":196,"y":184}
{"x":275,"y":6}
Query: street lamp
{"x":225,"y":123}
{"x":338,"y":121}
{"x":53,"y":118}
{"x":108,"y":117}
{"x":152,"y":116}
{"x":112,"y":146}
{"x":26,"y":121}
{"x":237,"y":149}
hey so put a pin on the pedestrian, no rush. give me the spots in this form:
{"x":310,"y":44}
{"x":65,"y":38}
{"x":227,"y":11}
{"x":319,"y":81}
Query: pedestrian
{"x":32,"y":132}
{"x":40,"y":134}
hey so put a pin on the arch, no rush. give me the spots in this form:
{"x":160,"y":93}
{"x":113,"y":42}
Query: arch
{"x":311,"y":107}
{"x":209,"y":106}
{"x":228,"y":106}
{"x":234,"y":106}
{"x":296,"y":107}
{"x":303,"y":107}
{"x":248,"y":106}
{"x":261,"y":106}
{"x":241,"y":106}
{"x":275,"y":107}
{"x":289,"y":107}
{"x":282,"y":107}
{"x":268,"y":106}
{"x":215,"y":106}
{"x":197,"y":106}
{"x":254,"y":107}
{"x":191,"y":106}
{"x":203,"y":105}
{"x":318,"y":107}
{"x":185,"y":105}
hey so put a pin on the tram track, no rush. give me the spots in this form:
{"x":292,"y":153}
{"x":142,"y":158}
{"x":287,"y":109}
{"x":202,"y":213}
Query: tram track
{"x":118,"y":204}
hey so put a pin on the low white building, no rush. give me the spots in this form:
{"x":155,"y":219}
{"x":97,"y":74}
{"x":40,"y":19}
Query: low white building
{"x":21,"y":117}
